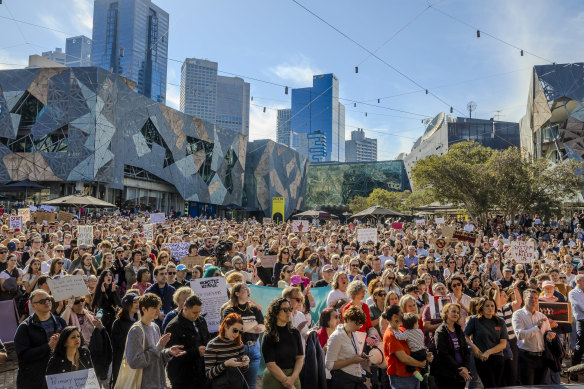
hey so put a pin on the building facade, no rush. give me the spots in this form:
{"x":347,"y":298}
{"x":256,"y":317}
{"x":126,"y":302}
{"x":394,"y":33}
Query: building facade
{"x":56,"y":55}
{"x":360,"y":148}
{"x":232,"y":110}
{"x":130,"y":38}
{"x":78,"y":51}
{"x":283,"y":132}
{"x":317,"y":110}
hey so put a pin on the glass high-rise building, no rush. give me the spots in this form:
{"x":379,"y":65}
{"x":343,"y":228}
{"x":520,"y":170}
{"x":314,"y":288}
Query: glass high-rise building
{"x":232,"y":111}
{"x":317,"y":110}
{"x":130,"y":38}
{"x":283,"y":133}
{"x":78,"y":51}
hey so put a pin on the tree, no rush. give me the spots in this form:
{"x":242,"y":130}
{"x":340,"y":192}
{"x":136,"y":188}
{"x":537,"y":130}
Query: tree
{"x":385,"y":198}
{"x":357,"y":204}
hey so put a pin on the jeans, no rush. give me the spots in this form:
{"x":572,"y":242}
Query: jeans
{"x":398,"y":382}
{"x":579,"y":349}
{"x":251,"y":375}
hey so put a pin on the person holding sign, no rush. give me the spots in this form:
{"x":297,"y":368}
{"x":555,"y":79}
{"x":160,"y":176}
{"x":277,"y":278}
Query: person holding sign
{"x":69,"y":355}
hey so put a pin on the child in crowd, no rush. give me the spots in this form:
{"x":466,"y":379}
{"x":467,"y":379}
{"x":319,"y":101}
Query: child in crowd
{"x":414,"y":337}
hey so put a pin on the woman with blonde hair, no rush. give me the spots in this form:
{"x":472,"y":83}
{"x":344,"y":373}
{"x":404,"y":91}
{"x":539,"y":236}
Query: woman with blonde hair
{"x":179,"y":297}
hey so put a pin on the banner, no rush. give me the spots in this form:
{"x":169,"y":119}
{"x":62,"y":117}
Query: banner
{"x":157,"y":218}
{"x":85,"y":235}
{"x":213,"y":292}
{"x":300,"y":225}
{"x":269,"y":260}
{"x":560,"y":312}
{"x":397,"y":226}
{"x":437,"y":305}
{"x":178,"y":250}
{"x":149,"y":232}
{"x":9,"y":322}
{"x":16,"y":222}
{"x":523,"y":252}
{"x":365,"y":235}
{"x":278,"y":209}
{"x":466,"y":236}
{"x":420,"y":222}
{"x":64,"y":287}
{"x":25,"y":213}
{"x":80,"y":379}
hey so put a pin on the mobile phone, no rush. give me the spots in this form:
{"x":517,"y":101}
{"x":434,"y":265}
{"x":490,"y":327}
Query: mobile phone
{"x":240,"y":359}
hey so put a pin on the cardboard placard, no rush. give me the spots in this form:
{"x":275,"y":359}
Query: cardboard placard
{"x":269,"y":260}
{"x":365,"y":235}
{"x":25,"y":213}
{"x":157,"y":218}
{"x":213,"y":291}
{"x":266,"y":220}
{"x":85,"y":235}
{"x":178,"y":250}
{"x":447,"y":231}
{"x":65,"y":216}
{"x":65,"y":287}
{"x":440,"y":243}
{"x":439,"y":220}
{"x":560,"y":312}
{"x":47,"y":217}
{"x":80,"y":379}
{"x":465,"y":236}
{"x":563,"y":289}
{"x":300,"y":225}
{"x":397,"y":226}
{"x":193,"y":260}
{"x":523,"y":252}
{"x":149,"y":232}
{"x":16,"y":222}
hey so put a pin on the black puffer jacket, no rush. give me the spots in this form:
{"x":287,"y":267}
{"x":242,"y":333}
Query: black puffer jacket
{"x":60,"y":364}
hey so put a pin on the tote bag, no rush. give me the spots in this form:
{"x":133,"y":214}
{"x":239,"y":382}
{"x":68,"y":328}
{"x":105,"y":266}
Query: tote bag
{"x":129,"y":378}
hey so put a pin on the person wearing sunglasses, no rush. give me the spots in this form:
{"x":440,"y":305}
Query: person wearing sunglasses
{"x":224,"y":355}
{"x":35,"y":339}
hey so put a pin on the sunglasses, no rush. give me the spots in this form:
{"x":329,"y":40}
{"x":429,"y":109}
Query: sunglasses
{"x":260,"y":250}
{"x":297,"y":299}
{"x":60,"y":263}
{"x":59,"y":251}
{"x":3,"y":252}
{"x":78,"y":302}
{"x":42,"y":301}
{"x":287,"y":310}
{"x":285,"y":252}
{"x":381,"y":294}
{"x":354,"y":265}
{"x":171,"y":273}
{"x":457,"y":284}
{"x":288,"y":271}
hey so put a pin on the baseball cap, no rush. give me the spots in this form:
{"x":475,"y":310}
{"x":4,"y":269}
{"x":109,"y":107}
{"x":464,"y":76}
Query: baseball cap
{"x":130,"y":298}
{"x":11,"y":246}
{"x":327,"y":268}
{"x":548,"y":283}
{"x":181,"y":267}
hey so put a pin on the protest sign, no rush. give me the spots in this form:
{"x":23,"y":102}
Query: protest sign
{"x":397,"y":226}
{"x":267,"y":220}
{"x":65,"y":287}
{"x":32,"y":208}
{"x":300,"y":225}
{"x":16,"y":222}
{"x":560,"y":312}
{"x":269,"y":260}
{"x":48,"y":208}
{"x":439,"y":220}
{"x":149,"y":232}
{"x":157,"y":218}
{"x":178,"y":250}
{"x":194,"y":260}
{"x":365,"y":235}
{"x":440,"y":243}
{"x":80,"y":379}
{"x":25,"y":213}
{"x":141,"y":219}
{"x":9,"y":322}
{"x":85,"y":235}
{"x":420,"y":222}
{"x":213,"y":291}
{"x":65,"y":217}
{"x":465,"y":236}
{"x":447,"y":231}
{"x":46,"y":217}
{"x":523,"y":252}
{"x":437,"y":305}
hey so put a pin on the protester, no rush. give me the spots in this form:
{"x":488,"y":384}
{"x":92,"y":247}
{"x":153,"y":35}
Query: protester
{"x":125,"y":318}
{"x":162,"y":290}
{"x":179,"y":298}
{"x":106,"y":299}
{"x":142,"y":280}
{"x":69,"y":354}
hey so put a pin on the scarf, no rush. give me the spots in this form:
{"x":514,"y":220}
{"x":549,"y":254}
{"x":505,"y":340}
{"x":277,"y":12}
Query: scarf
{"x":87,"y":328}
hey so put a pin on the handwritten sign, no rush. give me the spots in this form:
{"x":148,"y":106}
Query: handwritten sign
{"x":439,"y":220}
{"x":269,"y":260}
{"x":25,"y":213}
{"x":397,"y":226}
{"x":465,"y":236}
{"x":300,"y":225}
{"x":178,"y":250}
{"x":157,"y":218}
{"x":365,"y":235}
{"x":65,"y":216}
{"x":16,"y":222}
{"x":149,"y":232}
{"x":194,"y":260}
{"x":46,"y":217}
{"x":64,"y":287}
{"x":213,"y":293}
{"x":420,"y":222}
{"x":447,"y":231}
{"x":267,"y":220}
{"x":80,"y":379}
{"x":437,"y":305}
{"x":523,"y":252}
{"x":560,"y":312}
{"x":85,"y":235}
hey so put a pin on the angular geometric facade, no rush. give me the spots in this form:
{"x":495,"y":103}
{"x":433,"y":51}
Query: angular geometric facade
{"x":85,"y":124}
{"x":274,"y":170}
{"x":553,"y":126}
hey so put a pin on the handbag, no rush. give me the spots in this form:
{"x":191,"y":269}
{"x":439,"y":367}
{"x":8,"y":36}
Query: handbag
{"x":129,"y":378}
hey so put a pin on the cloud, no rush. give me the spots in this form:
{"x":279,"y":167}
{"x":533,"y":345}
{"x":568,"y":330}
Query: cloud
{"x":83,"y":15}
{"x":262,"y":125}
{"x":299,"y":72}
{"x":52,"y":23}
{"x":173,"y":96}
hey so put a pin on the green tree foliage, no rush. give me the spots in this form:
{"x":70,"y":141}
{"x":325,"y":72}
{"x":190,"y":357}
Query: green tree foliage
{"x":357,"y":204}
{"x":399,"y":201}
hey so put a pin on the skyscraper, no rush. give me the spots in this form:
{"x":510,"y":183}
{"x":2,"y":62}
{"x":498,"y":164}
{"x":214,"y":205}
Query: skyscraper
{"x":360,"y":148}
{"x":283,"y":133}
{"x":317,"y":110}
{"x":78,"y":51}
{"x":56,"y":55}
{"x":217,"y":99}
{"x":130,"y":38}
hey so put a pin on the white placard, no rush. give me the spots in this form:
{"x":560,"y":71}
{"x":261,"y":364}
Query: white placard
{"x":64,"y":287}
{"x":365,"y":235}
{"x":420,"y":222}
{"x":437,"y":305}
{"x":178,"y":250}
{"x":80,"y":379}
{"x":25,"y":213}
{"x":523,"y":252}
{"x":439,"y":220}
{"x":300,"y":225}
{"x":16,"y":222}
{"x":32,"y":208}
{"x":85,"y":235}
{"x":213,"y":292}
{"x":149,"y":232}
{"x":157,"y":218}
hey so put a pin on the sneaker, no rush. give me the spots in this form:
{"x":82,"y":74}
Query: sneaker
{"x":419,"y":376}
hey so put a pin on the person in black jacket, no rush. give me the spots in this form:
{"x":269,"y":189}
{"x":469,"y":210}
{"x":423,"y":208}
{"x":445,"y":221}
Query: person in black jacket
{"x":125,"y":319}
{"x":188,"y":329}
{"x":162,"y":290}
{"x":106,"y":298}
{"x":69,"y":355}
{"x":452,"y":364}
{"x":34,"y":340}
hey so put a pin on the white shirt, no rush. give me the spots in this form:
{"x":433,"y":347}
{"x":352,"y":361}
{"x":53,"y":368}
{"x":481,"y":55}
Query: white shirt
{"x":335,"y":295}
{"x":296,"y":321}
{"x":339,"y":347}
{"x":529,"y":335}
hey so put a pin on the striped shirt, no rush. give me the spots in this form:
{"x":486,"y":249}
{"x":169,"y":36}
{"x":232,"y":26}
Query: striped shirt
{"x":506,"y":314}
{"x":217,"y":352}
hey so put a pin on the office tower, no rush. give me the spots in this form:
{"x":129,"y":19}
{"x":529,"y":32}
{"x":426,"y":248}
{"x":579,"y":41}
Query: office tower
{"x":283,"y":133}
{"x":223,"y":101}
{"x":78,"y":51}
{"x":130,"y":38}
{"x":56,"y":55}
{"x":317,"y":110}
{"x":360,"y":148}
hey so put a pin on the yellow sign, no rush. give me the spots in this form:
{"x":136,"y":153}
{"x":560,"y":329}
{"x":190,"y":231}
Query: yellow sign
{"x":278,"y":209}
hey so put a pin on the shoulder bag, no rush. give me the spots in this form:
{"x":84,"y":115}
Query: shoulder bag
{"x":129,"y":378}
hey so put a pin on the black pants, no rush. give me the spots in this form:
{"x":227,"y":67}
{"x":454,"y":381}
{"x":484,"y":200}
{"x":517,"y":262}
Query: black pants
{"x":579,"y":349}
{"x":449,"y":382}
{"x":419,"y":355}
{"x":532,"y":369}
{"x":510,"y":378}
{"x":491,"y":370}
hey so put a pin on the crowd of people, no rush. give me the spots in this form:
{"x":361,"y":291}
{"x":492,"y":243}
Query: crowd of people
{"x":412,"y":308}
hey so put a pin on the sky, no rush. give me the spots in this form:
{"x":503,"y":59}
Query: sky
{"x":418,"y":45}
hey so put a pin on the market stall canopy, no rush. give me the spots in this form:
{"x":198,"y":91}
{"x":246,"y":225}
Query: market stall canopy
{"x":377,"y":211}
{"x":79,"y":200}
{"x":315,"y":214}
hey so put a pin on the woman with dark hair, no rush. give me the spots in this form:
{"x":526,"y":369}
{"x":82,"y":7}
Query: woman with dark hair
{"x":142,"y":280}
{"x":451,"y":367}
{"x":487,"y":336}
{"x":283,"y":259}
{"x":285,"y":275}
{"x":474,"y":287}
{"x":304,"y":254}
{"x":56,"y":269}
{"x":107,"y":262}
{"x":69,"y":355}
{"x":9,"y":290}
{"x":455,"y":286}
{"x":281,"y":347}
{"x":125,"y":318}
{"x":106,"y":299}
{"x":328,"y":322}
{"x":224,"y":355}
{"x":31,"y":277}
